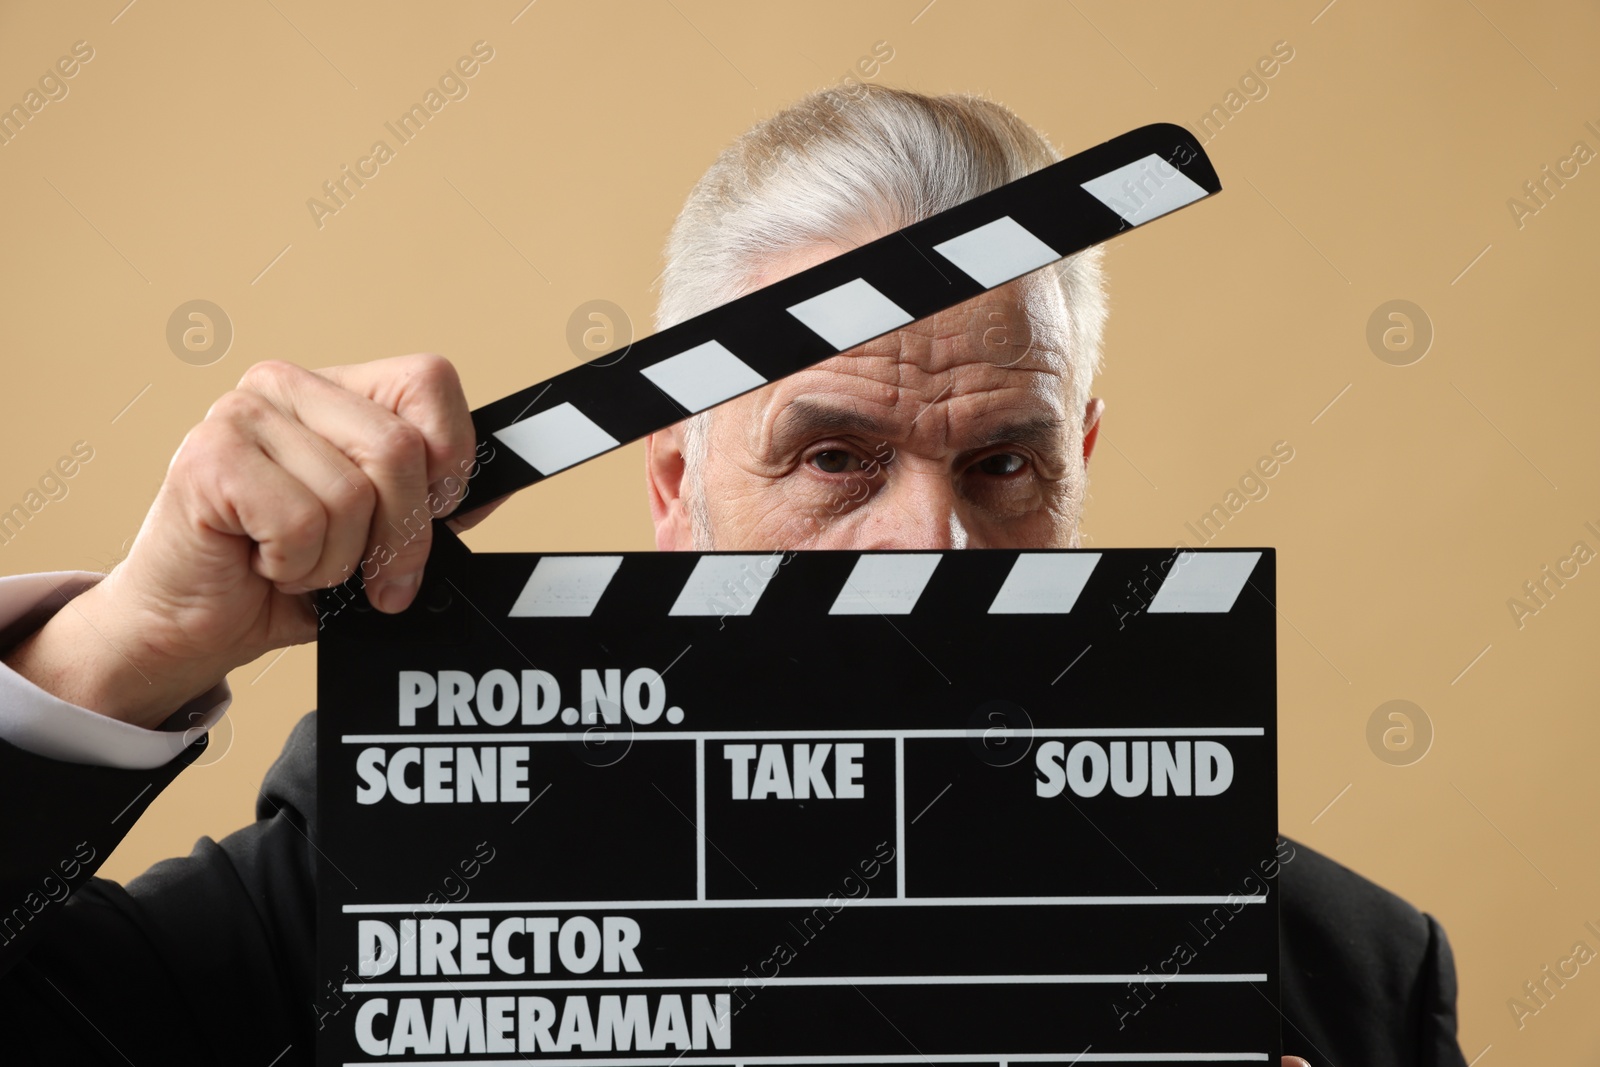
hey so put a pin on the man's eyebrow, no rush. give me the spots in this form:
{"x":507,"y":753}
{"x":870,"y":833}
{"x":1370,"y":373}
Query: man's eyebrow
{"x":1043,"y":433}
{"x":805,"y":418}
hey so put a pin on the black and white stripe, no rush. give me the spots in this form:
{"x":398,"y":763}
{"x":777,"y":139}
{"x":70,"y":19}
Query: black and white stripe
{"x":836,"y":305}
{"x":893,"y":583}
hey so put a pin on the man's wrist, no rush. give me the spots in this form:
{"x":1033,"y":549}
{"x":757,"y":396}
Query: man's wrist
{"x":85,"y":657}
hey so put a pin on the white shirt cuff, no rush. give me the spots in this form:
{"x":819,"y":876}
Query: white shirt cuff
{"x":45,"y":725}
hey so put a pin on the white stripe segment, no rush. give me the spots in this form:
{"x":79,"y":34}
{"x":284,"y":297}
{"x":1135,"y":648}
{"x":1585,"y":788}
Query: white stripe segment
{"x":1144,"y":189}
{"x":1044,"y":583}
{"x":885,"y":585}
{"x":703,"y":376}
{"x":900,"y":817}
{"x":1204,"y":582}
{"x":1068,"y":1058}
{"x":997,"y":251}
{"x":519,"y":738}
{"x":554,"y":440}
{"x":726,"y":585}
{"x":805,"y":903}
{"x":700,"y":820}
{"x":565,"y":586}
{"x":805,"y":981}
{"x":848,"y":314}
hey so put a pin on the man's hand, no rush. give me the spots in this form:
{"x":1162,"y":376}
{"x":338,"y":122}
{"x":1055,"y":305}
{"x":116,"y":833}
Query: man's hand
{"x":294,"y":481}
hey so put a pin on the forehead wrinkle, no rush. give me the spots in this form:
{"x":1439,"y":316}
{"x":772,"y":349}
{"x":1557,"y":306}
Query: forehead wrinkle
{"x":934,"y":360}
{"x":941,"y":354}
{"x":959,"y":344}
{"x":857,"y":383}
{"x":1023,"y":415}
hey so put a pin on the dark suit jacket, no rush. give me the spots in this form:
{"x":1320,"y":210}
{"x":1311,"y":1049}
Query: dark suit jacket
{"x":210,"y":959}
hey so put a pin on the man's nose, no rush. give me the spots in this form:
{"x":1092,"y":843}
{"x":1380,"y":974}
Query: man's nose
{"x":915,"y":510}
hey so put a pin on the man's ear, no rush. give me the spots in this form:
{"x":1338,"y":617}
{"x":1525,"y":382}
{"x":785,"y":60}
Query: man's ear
{"x":1091,"y":425}
{"x":664,"y":482}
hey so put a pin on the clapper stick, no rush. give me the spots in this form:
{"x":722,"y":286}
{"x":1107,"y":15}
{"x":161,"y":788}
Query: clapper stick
{"x":838,"y":304}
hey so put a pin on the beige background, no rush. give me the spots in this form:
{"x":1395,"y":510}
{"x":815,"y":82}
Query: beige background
{"x":1378,"y":167}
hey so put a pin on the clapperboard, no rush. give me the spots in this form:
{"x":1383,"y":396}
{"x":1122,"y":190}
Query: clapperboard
{"x":822,"y":807}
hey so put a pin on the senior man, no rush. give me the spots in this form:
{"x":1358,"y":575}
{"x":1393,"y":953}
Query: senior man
{"x":972,"y":428}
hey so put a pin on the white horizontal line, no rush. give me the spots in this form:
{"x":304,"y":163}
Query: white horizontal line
{"x":798,"y":902}
{"x":784,"y":1061}
{"x":729,"y":983}
{"x":575,"y":733}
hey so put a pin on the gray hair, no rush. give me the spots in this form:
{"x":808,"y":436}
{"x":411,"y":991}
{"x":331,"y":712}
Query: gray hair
{"x":853,"y":162}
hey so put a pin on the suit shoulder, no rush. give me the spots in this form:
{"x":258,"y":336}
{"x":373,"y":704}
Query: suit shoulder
{"x":291,"y":781}
{"x":1366,"y":977}
{"x":1325,"y":897}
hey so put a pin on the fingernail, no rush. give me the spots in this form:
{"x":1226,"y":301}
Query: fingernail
{"x":397,"y":595}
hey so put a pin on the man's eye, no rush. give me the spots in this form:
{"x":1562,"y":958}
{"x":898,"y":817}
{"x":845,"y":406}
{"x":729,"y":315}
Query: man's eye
{"x":1001,"y":463}
{"x":834,"y":461}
